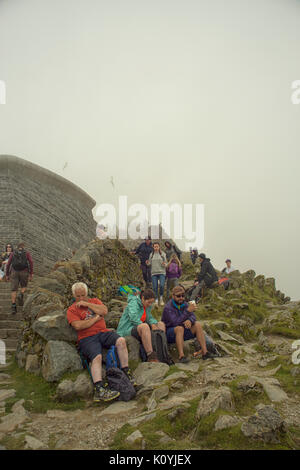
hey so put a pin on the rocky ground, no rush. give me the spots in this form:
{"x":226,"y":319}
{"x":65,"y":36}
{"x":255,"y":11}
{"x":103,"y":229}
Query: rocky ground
{"x":246,"y":399}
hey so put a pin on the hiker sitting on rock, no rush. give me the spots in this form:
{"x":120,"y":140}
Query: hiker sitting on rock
{"x":87,"y":317}
{"x":206,"y":277}
{"x":137,"y":321}
{"x":182,"y":325}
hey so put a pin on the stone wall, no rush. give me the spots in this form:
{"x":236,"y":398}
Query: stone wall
{"x":51,"y":215}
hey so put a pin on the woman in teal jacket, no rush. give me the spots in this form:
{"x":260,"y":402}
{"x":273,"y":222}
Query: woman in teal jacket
{"x":137,"y":321}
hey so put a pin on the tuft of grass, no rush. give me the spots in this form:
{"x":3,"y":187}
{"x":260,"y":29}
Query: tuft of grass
{"x":245,"y":403}
{"x":37,"y":393}
{"x":16,"y":442}
{"x":284,"y":331}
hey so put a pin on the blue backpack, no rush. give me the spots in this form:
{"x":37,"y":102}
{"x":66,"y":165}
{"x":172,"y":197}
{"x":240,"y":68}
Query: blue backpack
{"x":129,"y":289}
{"x":112,"y":358}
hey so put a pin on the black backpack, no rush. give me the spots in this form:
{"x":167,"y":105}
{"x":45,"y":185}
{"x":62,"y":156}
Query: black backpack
{"x":118,"y":380}
{"x":160,"y":346}
{"x":19,"y":261}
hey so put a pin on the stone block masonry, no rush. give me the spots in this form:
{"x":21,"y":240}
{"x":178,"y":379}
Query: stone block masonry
{"x":49,"y":213}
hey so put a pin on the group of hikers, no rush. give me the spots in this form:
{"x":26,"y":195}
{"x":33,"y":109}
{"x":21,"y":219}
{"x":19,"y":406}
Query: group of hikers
{"x":87,"y":315}
{"x":158,"y":266}
{"x":16,"y":267}
{"x":178,"y":322}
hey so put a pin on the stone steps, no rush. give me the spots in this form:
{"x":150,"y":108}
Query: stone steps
{"x":12,"y":333}
{"x":9,"y":316}
{"x":10,"y":344}
{"x":10,"y":324}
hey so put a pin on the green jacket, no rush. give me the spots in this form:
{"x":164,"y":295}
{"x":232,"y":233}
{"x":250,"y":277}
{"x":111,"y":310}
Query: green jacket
{"x":132,"y":315}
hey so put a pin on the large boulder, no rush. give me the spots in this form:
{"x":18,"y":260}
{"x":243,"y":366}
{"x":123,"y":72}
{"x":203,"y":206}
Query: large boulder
{"x":59,"y":357}
{"x":149,"y":374}
{"x":133,"y":346}
{"x":266,"y":424}
{"x":55,"y":327}
{"x":215,"y":399}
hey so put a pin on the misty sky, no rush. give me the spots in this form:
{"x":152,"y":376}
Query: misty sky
{"x":180,"y":101}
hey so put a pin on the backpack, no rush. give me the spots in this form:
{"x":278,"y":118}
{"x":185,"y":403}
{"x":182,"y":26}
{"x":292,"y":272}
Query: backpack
{"x":177,"y":251}
{"x":129,"y":289}
{"x":112,"y":358}
{"x":118,"y":380}
{"x":224,"y":281}
{"x":19,"y":261}
{"x":160,"y":346}
{"x":173,"y":268}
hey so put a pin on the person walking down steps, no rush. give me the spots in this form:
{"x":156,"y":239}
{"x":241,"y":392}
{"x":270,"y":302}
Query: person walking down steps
{"x":158,"y":262}
{"x":19,"y":270}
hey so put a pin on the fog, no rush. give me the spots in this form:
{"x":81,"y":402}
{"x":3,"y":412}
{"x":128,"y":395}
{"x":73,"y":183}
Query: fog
{"x":178,"y":101}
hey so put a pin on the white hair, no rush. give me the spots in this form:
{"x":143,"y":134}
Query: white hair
{"x":79,"y":285}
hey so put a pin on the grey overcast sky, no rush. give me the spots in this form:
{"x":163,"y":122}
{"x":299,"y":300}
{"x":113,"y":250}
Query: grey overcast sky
{"x":184,"y":101}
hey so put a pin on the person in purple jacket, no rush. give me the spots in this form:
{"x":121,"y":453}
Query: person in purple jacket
{"x":173,"y":273}
{"x":181,"y":324}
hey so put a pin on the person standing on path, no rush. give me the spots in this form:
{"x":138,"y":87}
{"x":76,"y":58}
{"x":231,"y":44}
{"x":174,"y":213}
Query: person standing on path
{"x":158,"y":261}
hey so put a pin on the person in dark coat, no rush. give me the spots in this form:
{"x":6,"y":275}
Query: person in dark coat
{"x":171,"y":250}
{"x":206,"y":277}
{"x":143,"y":251}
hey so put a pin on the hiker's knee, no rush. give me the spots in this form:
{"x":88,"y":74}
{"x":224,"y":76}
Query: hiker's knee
{"x":198,"y":325}
{"x":121,"y":342}
{"x":97,"y":359}
{"x":143,"y":328}
{"x":161,"y":326}
{"x":179,"y":330}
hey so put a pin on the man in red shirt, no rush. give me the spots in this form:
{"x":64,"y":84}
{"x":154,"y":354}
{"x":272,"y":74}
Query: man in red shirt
{"x":87,"y":317}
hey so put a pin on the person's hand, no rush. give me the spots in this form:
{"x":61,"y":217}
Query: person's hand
{"x":196,"y":283}
{"x":191,"y":307}
{"x":147,"y":262}
{"x":154,"y":326}
{"x":187,"y":324}
{"x":82,"y":303}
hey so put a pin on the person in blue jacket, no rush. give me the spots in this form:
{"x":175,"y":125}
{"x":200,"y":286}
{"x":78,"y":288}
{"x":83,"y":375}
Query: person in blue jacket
{"x":137,"y":321}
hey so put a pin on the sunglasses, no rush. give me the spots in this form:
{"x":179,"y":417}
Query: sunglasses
{"x":180,"y":295}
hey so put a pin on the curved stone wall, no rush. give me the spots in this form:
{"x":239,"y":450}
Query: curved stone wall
{"x":50,"y":214}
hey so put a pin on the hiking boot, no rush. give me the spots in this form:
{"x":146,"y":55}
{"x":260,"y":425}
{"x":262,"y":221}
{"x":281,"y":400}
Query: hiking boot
{"x":131,"y":378}
{"x":105,"y":394}
{"x":13,"y":309}
{"x":21,"y":299}
{"x":184,"y":360}
{"x":152,"y":357}
{"x":208,"y":355}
